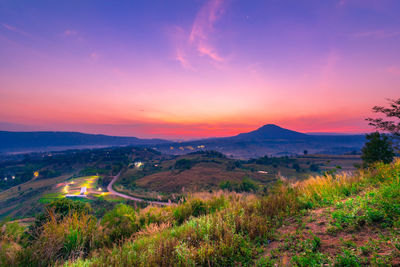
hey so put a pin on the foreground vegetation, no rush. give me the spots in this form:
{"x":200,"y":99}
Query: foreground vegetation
{"x":321,"y":220}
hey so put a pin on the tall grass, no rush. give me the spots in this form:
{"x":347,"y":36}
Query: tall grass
{"x":71,"y":238}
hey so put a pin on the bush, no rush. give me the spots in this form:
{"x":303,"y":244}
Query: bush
{"x":120,"y":223}
{"x":377,"y":149}
{"x":57,"y":210}
{"x":71,"y":238}
{"x":347,"y":258}
{"x":246,"y":185}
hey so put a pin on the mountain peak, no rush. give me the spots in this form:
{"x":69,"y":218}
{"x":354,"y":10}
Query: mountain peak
{"x":272,"y":131}
{"x":270,"y":126}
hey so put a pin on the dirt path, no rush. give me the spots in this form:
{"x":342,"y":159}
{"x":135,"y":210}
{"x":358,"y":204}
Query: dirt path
{"x":112,"y":191}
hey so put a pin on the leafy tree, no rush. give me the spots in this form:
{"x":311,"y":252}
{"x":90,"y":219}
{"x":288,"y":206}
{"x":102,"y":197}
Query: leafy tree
{"x":247,"y":185}
{"x":391,"y":123}
{"x":183,"y":164}
{"x":314,"y":168}
{"x":296,"y":166}
{"x":377,"y":148}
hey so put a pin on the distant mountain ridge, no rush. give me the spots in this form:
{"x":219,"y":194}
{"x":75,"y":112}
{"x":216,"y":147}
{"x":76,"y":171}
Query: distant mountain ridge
{"x":17,"y":141}
{"x":272,"y":140}
{"x":271,"y":131}
{"x":269,"y":139}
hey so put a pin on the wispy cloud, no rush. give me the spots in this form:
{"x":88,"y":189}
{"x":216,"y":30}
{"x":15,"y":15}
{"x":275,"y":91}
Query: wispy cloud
{"x":15,"y":29}
{"x":181,"y":57}
{"x":378,"y":34}
{"x":207,"y":50}
{"x":203,"y":27}
{"x":197,"y":42}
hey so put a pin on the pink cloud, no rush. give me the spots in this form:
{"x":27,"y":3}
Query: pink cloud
{"x":394,"y":70}
{"x":181,"y":57}
{"x":189,"y":45}
{"x":206,"y":50}
{"x":69,"y":32}
{"x":203,"y":27}
{"x":94,"y":56}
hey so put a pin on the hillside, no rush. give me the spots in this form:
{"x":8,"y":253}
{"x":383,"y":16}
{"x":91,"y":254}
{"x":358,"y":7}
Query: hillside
{"x":22,"y":194}
{"x":46,"y":141}
{"x":210,"y":170}
{"x":341,"y":220}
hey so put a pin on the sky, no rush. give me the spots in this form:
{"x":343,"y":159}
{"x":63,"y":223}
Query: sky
{"x":181,"y":69}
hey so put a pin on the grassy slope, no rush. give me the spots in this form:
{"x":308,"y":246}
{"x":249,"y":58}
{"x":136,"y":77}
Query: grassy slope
{"x":209,"y":172}
{"x":342,"y":220}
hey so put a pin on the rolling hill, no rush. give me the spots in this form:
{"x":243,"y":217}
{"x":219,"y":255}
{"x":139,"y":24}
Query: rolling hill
{"x":45,"y":141}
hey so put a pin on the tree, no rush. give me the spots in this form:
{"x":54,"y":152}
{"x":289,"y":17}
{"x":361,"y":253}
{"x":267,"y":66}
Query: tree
{"x":377,"y":148}
{"x":391,"y":123}
{"x":183,"y":164}
{"x":296,"y":166}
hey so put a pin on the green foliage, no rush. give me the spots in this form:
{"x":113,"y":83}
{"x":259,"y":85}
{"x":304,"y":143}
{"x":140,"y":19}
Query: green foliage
{"x":120,"y":223}
{"x":67,"y":239}
{"x":247,"y":185}
{"x":197,"y":207}
{"x":347,"y":258}
{"x":309,"y":258}
{"x":57,"y":210}
{"x":377,"y":149}
{"x":378,"y":206}
{"x":11,"y":231}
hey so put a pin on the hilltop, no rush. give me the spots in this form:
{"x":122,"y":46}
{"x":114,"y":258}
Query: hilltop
{"x":272,"y":131}
{"x":48,"y":141}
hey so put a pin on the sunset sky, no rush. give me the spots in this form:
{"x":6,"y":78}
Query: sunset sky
{"x":189,"y":69}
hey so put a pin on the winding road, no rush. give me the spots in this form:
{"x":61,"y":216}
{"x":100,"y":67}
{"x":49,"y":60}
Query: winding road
{"x":113,"y":192}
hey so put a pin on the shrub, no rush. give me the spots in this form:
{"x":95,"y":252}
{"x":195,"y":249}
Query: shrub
{"x":68,"y":239}
{"x":57,"y":210}
{"x":120,"y":223}
{"x":347,"y":258}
